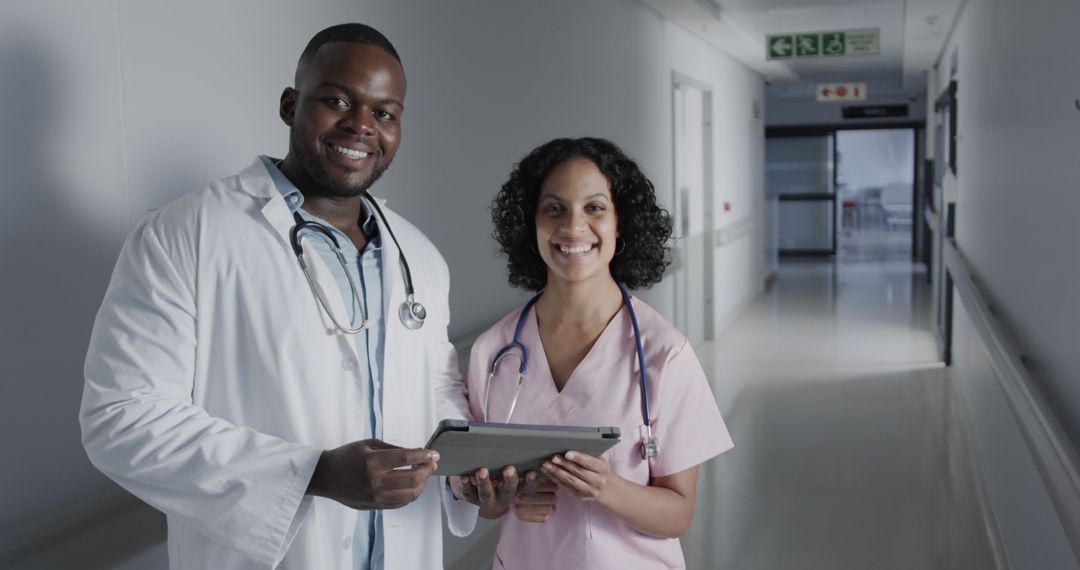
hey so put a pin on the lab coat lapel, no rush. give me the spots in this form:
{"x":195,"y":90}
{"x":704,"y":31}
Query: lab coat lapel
{"x":255,"y":180}
{"x":396,"y":400}
{"x":392,"y":281}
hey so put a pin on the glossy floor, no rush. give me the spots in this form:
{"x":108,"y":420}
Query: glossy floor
{"x":840,"y":421}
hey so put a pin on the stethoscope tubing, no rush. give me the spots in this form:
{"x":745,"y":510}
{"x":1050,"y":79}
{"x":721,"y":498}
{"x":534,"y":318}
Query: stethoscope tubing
{"x":522,"y":366}
{"x":515,"y":343}
{"x":411,"y":313}
{"x":641,"y":359}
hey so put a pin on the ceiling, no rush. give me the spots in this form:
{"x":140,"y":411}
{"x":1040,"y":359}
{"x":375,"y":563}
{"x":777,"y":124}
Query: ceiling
{"x":912,"y":33}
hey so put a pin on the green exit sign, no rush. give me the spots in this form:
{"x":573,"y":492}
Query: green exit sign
{"x":824,"y":44}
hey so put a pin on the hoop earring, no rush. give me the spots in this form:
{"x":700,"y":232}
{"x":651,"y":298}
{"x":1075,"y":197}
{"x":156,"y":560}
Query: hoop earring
{"x":617,"y":250}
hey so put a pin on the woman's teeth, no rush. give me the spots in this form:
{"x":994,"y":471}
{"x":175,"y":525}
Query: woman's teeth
{"x":576,"y":249}
{"x":353,"y":154}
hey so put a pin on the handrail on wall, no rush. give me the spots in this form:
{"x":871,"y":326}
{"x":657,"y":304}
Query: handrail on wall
{"x":734,"y":231}
{"x":1055,"y":457}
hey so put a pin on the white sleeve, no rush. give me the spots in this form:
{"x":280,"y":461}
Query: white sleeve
{"x":238,"y":486}
{"x":452,"y":403}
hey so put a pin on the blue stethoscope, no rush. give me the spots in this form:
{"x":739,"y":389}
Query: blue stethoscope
{"x":649,"y":448}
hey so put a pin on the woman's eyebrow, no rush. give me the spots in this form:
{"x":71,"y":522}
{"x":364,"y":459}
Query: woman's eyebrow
{"x":558,"y":199}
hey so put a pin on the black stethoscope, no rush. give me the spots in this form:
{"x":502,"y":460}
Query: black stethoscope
{"x":411,"y":313}
{"x":649,"y":447}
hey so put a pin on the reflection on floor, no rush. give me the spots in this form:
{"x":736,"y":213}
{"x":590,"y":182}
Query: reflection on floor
{"x":840,"y":427}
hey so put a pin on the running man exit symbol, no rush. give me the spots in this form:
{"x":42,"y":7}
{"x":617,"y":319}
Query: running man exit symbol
{"x":807,"y":44}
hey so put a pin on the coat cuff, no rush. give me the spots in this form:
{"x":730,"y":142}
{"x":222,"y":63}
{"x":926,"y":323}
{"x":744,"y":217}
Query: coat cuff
{"x":293,"y":508}
{"x":460,"y":515}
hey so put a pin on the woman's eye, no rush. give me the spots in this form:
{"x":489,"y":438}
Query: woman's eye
{"x":596,"y":208}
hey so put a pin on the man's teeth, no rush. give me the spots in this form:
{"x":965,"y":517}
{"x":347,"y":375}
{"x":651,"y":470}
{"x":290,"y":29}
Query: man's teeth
{"x":577,"y":249}
{"x":353,"y":154}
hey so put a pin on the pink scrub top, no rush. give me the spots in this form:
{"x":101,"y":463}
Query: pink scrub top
{"x":604,"y":390}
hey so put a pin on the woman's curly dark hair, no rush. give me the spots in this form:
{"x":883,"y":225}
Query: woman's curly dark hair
{"x":644,"y":226}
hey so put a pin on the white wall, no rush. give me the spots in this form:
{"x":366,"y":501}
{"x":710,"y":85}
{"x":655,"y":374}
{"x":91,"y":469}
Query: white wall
{"x":1017,"y":202}
{"x":64,"y":211}
{"x":130,"y":104}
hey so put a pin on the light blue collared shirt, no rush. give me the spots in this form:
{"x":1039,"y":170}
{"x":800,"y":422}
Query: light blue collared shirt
{"x":367,"y":265}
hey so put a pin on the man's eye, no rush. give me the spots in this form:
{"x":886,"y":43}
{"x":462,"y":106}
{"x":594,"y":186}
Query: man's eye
{"x":384,"y":115}
{"x":337,"y":102}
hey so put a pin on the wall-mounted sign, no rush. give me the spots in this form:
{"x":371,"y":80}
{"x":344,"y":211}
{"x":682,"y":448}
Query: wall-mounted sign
{"x":824,"y":44}
{"x":874,"y":111}
{"x":829,"y":92}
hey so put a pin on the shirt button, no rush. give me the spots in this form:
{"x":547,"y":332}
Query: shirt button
{"x":346,"y":543}
{"x":349,"y":364}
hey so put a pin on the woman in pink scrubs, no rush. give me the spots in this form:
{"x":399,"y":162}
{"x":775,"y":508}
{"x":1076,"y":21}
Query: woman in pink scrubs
{"x":576,"y":218}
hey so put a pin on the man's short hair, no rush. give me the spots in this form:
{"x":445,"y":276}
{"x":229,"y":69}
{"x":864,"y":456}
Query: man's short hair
{"x":355,"y":33}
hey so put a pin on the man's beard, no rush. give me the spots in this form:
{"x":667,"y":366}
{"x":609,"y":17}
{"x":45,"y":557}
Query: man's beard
{"x":309,"y":162}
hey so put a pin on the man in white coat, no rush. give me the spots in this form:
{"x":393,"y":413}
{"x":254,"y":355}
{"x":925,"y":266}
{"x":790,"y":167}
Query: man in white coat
{"x":222,"y":386}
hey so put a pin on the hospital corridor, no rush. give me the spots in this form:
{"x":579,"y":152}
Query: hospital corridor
{"x":287,"y":285}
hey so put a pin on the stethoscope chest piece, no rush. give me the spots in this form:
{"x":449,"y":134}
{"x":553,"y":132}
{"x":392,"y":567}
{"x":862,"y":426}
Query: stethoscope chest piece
{"x":649,"y":448}
{"x":412,"y":314}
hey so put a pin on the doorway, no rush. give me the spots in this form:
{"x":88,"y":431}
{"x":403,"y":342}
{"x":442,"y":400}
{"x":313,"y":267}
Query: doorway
{"x":693,"y":208}
{"x":846,"y":190}
{"x":875,"y":185}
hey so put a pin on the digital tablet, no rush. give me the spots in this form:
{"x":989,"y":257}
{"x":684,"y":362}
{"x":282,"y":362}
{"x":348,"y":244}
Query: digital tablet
{"x":466,"y":446}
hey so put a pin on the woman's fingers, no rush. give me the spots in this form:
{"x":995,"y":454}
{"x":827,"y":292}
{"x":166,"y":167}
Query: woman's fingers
{"x":538,"y":508}
{"x":481,"y":490}
{"x":589,"y":476}
{"x":585,"y":460}
{"x":573,"y":483}
{"x":531,"y":483}
{"x":508,"y":487}
{"x":536,"y":500}
{"x":468,"y":490}
{"x":535,"y":515}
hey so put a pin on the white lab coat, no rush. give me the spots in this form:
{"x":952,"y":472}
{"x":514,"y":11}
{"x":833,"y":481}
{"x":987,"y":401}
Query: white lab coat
{"x":213,"y":383}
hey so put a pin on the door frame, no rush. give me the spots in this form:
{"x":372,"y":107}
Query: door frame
{"x":833,"y":129}
{"x":678,"y":80}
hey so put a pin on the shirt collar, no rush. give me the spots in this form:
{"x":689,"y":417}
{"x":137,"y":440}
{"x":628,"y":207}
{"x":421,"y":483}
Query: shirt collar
{"x":294,"y":198}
